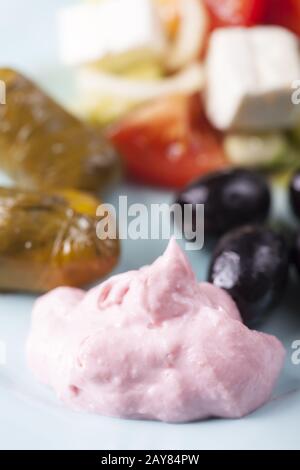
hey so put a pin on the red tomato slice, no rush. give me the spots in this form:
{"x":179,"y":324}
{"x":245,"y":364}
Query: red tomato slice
{"x":236,"y":12}
{"x":168,"y":142}
{"x":284,"y":13}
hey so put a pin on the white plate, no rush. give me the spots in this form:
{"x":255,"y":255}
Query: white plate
{"x":30,"y":415}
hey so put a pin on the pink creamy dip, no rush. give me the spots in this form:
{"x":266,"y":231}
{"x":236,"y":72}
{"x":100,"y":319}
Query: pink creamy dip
{"x":152,"y":344}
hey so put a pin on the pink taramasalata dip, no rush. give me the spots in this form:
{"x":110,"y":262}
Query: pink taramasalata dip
{"x":152,"y":344}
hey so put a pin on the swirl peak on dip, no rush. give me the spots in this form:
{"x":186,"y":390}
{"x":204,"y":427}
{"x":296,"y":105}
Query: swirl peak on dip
{"x":152,"y":344}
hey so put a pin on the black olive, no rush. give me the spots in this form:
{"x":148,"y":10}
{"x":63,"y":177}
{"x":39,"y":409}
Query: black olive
{"x":231,"y":198}
{"x":251,"y":263}
{"x":295,"y":193}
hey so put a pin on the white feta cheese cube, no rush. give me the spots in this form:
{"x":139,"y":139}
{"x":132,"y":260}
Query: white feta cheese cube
{"x":249,"y":77}
{"x":91,"y":32}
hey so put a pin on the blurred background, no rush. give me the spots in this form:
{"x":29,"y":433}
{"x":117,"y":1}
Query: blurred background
{"x":28,"y":32}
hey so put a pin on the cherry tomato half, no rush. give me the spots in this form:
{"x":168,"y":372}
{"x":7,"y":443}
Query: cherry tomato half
{"x":168,"y":142}
{"x":236,"y":12}
{"x":285,"y":13}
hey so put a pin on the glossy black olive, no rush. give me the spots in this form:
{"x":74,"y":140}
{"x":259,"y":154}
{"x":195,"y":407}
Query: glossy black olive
{"x":251,"y":263}
{"x":231,"y":198}
{"x":295,"y":193}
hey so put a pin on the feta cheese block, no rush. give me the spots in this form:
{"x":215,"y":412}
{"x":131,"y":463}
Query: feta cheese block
{"x":96,"y":31}
{"x":249,"y":76}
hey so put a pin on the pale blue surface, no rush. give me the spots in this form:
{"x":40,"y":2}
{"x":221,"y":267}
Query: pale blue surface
{"x":30,"y":415}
